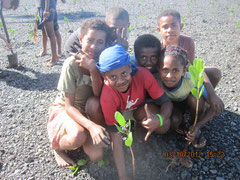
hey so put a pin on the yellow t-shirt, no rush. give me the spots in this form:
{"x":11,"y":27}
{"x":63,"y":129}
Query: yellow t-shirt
{"x":182,"y":91}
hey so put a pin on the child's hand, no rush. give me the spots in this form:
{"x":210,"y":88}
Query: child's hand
{"x":84,"y":61}
{"x":99,"y":135}
{"x":9,"y":45}
{"x":191,"y":136}
{"x":216,"y":103}
{"x":151,"y":122}
{"x":122,"y":37}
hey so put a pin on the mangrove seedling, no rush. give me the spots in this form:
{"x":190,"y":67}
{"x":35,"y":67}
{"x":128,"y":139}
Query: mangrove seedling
{"x":197,"y":75}
{"x":125,"y":128}
{"x":75,"y":169}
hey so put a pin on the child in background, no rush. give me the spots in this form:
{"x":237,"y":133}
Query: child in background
{"x":147,"y":49}
{"x":125,"y":90}
{"x":47,"y":22}
{"x":9,"y":45}
{"x":76,"y":119}
{"x":116,"y":18}
{"x":170,"y":26}
{"x":8,"y":4}
{"x":177,"y":84}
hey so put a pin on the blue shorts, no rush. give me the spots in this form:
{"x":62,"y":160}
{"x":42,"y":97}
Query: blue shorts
{"x":52,"y":17}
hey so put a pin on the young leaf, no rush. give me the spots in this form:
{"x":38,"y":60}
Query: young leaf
{"x":194,"y":92}
{"x":76,"y":170}
{"x":71,"y":167}
{"x":65,"y":18}
{"x":129,"y":28}
{"x":129,"y":140}
{"x":100,"y":163}
{"x":81,"y":162}
{"x":129,"y":124}
{"x":120,"y":129}
{"x":200,"y":94}
{"x":119,"y":118}
{"x":193,"y":75}
{"x":200,"y":81}
{"x":238,"y":25}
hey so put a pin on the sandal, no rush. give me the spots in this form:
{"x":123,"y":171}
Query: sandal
{"x":199,"y":141}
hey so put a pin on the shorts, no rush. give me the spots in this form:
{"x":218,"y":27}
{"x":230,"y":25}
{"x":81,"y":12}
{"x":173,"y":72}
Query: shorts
{"x":52,"y":17}
{"x":56,"y":125}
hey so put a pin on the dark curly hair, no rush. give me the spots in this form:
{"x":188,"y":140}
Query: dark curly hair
{"x":177,"y":52}
{"x":97,"y":24}
{"x":170,"y":12}
{"x":117,"y":13}
{"x":146,"y":41}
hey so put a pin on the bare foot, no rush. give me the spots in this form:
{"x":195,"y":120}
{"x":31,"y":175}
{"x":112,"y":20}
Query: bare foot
{"x":62,"y":159}
{"x":59,"y":54}
{"x":50,"y":64}
{"x":41,"y":54}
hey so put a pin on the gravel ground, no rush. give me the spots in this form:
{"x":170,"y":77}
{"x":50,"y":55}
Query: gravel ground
{"x":27,"y":92}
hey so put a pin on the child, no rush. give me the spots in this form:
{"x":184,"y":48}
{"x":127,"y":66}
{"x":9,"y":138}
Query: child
{"x":169,"y":26}
{"x":76,"y":118}
{"x":176,"y":82}
{"x":147,"y":49}
{"x":116,"y":18}
{"x":9,"y":45}
{"x":47,"y":22}
{"x":8,"y":4}
{"x":124,"y":90}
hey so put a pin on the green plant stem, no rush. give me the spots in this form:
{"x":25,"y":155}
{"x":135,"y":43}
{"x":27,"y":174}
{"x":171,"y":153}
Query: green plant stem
{"x":133,"y":162}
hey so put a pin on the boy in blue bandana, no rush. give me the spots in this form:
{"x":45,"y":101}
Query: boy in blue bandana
{"x":125,"y":89}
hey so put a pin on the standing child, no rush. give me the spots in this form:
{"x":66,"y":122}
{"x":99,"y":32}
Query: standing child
{"x":8,"y":4}
{"x":47,"y":22}
{"x":116,"y":18}
{"x":177,"y":84}
{"x":170,"y":26}
{"x":76,"y":119}
{"x":125,"y":90}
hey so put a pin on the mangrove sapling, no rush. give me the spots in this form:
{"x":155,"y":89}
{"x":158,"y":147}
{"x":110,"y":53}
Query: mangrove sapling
{"x":126,"y":129}
{"x":67,"y":21}
{"x":75,"y":169}
{"x":197,"y":75}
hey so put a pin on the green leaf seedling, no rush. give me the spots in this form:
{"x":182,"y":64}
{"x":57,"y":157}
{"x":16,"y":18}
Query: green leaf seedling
{"x":75,"y":169}
{"x":125,"y":128}
{"x":197,"y":75}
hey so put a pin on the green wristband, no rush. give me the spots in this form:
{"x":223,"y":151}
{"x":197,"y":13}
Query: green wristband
{"x":160,"y":119}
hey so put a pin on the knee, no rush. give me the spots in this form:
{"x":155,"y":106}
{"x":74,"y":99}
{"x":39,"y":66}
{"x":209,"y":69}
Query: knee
{"x":97,"y":155}
{"x":175,"y":122}
{"x":92,"y":105}
{"x":78,"y":138}
{"x":165,"y":127}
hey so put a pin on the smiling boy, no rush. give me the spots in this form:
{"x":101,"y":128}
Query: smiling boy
{"x":125,"y":90}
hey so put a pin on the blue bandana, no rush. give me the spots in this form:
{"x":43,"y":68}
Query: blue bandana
{"x":113,"y":58}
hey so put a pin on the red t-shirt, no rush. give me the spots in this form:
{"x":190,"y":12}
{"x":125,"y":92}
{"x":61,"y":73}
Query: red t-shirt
{"x":112,"y":100}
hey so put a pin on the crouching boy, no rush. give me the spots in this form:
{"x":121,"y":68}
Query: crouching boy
{"x":125,"y":89}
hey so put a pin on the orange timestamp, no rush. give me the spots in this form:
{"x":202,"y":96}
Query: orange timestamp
{"x":188,"y":154}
